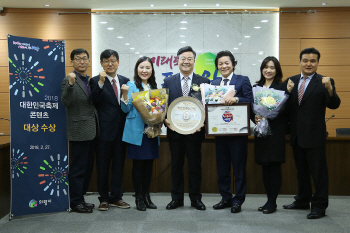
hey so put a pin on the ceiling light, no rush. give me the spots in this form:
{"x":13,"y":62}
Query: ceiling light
{"x":103,"y":22}
{"x":154,"y":14}
{"x":235,"y":48}
{"x":264,"y":21}
{"x":183,"y":28}
{"x":185,"y":4}
{"x":324,"y":3}
{"x":132,"y":48}
{"x":217,"y":4}
{"x":246,"y":36}
{"x":240,"y":43}
{"x":183,"y":42}
{"x":47,"y":5}
{"x":182,"y":36}
{"x":152,"y":5}
{"x":183,"y":22}
{"x":137,"y":53}
{"x":217,"y":35}
{"x":254,"y":64}
{"x":257,"y":27}
{"x":127,"y":44}
{"x":149,"y":35}
{"x":120,"y":37}
{"x":110,"y":28}
{"x":261,"y":52}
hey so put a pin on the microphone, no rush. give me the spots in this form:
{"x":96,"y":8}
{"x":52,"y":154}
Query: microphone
{"x":329,"y":118}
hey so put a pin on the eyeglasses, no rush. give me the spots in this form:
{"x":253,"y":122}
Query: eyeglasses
{"x":107,"y":62}
{"x":189,"y":59}
{"x":78,"y":59}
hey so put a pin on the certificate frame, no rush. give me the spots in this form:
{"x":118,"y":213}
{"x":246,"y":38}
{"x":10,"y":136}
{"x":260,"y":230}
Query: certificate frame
{"x":235,"y":122}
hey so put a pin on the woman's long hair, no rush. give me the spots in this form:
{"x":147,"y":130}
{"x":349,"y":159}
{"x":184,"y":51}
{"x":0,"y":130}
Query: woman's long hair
{"x":138,"y":80}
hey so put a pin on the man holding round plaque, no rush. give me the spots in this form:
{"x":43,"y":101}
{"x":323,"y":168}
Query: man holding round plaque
{"x":232,"y":149}
{"x":179,"y":85}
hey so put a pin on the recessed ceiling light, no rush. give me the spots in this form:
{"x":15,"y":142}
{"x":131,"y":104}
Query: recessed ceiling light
{"x":120,"y":37}
{"x":257,"y":27}
{"x":152,"y":5}
{"x":137,"y":53}
{"x":185,"y":4}
{"x":127,"y":44}
{"x":254,"y":64}
{"x":183,"y":22}
{"x":183,"y":42}
{"x":264,"y":21}
{"x":183,"y":28}
{"x":132,"y":48}
{"x":110,"y":28}
{"x":240,"y":43}
{"x":47,"y":5}
{"x":103,"y":22}
{"x":217,"y":35}
{"x":246,"y":36}
{"x":149,"y":35}
{"x":235,"y":48}
{"x":324,"y":3}
{"x":261,"y":52}
{"x":182,"y":36}
{"x":217,"y":4}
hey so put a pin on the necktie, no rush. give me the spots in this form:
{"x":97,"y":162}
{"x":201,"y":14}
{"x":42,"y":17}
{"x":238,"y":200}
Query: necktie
{"x":301,"y":90}
{"x":185,"y":89}
{"x":225,"y":81}
{"x":115,"y":88}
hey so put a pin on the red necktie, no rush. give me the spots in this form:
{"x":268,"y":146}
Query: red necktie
{"x":115,"y":88}
{"x":301,"y":90}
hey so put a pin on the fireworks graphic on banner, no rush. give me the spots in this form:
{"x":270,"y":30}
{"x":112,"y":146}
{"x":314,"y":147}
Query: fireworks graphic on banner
{"x":57,"y":51}
{"x":55,"y":177}
{"x":27,"y":75}
{"x":18,"y":163}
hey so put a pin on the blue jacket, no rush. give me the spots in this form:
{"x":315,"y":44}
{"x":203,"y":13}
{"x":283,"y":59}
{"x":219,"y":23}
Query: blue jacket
{"x":134,"y":126}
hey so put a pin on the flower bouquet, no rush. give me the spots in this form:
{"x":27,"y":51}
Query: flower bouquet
{"x":268,"y":103}
{"x":216,"y":94}
{"x":152,"y":106}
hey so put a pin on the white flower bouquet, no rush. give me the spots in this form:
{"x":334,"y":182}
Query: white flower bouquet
{"x":268,"y":103}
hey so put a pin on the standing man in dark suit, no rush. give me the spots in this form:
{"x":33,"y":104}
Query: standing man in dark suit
{"x":180,"y":85}
{"x":82,"y":129}
{"x":232,"y":149}
{"x":307,"y":107}
{"x":106,"y":94}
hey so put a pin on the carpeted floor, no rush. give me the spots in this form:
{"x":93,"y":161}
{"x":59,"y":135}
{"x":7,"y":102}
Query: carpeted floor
{"x":187,"y":219}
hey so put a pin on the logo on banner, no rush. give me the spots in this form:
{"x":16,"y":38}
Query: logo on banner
{"x":33,"y":203}
{"x":205,"y":66}
{"x":227,"y":116}
{"x":18,"y":163}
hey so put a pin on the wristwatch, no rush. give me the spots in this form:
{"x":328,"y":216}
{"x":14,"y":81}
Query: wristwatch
{"x":237,"y":100}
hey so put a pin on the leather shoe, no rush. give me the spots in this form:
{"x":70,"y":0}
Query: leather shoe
{"x":236,"y":208}
{"x":222,"y":205}
{"x":295,"y":206}
{"x":175,"y":204}
{"x":316,"y":215}
{"x":89,"y":205}
{"x":198,"y":204}
{"x":103,"y":206}
{"x":121,"y":204}
{"x":261,"y":208}
{"x":81,"y":209}
{"x":269,"y":210}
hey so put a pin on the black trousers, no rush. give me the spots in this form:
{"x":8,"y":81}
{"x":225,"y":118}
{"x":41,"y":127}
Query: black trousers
{"x":110,"y":155}
{"x":232,"y":150}
{"x":192,"y":149}
{"x":142,"y":175}
{"x":80,"y":169}
{"x":312,"y":162}
{"x":272,"y":179}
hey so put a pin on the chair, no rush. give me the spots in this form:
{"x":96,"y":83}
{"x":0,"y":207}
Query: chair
{"x":343,"y":132}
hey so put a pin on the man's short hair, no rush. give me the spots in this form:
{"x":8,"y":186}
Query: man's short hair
{"x":310,"y":50}
{"x":186,"y":49}
{"x":108,"y":53}
{"x":76,"y":52}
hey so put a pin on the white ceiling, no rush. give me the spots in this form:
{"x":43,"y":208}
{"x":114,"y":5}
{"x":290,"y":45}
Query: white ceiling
{"x":169,"y":4}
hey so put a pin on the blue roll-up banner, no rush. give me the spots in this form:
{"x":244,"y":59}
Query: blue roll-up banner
{"x":39,"y":148}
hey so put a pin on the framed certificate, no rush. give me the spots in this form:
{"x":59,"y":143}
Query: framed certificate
{"x":186,"y":115}
{"x":233,"y":120}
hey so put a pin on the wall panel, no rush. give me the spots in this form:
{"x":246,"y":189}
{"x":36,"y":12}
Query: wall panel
{"x":289,"y":51}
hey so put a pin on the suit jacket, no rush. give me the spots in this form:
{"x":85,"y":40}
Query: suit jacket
{"x":242,"y":86}
{"x":272,"y":148}
{"x":173,"y":83}
{"x":307,"y":120}
{"x":112,"y":118}
{"x":81,"y":113}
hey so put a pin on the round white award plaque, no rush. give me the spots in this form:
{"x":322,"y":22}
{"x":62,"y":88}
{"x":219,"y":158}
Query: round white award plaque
{"x":186,"y":115}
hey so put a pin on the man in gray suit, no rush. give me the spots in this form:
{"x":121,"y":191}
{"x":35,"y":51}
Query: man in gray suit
{"x":82,"y":129}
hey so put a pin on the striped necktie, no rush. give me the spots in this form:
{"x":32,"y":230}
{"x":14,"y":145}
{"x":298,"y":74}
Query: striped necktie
{"x":115,"y":88}
{"x":301,"y":90}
